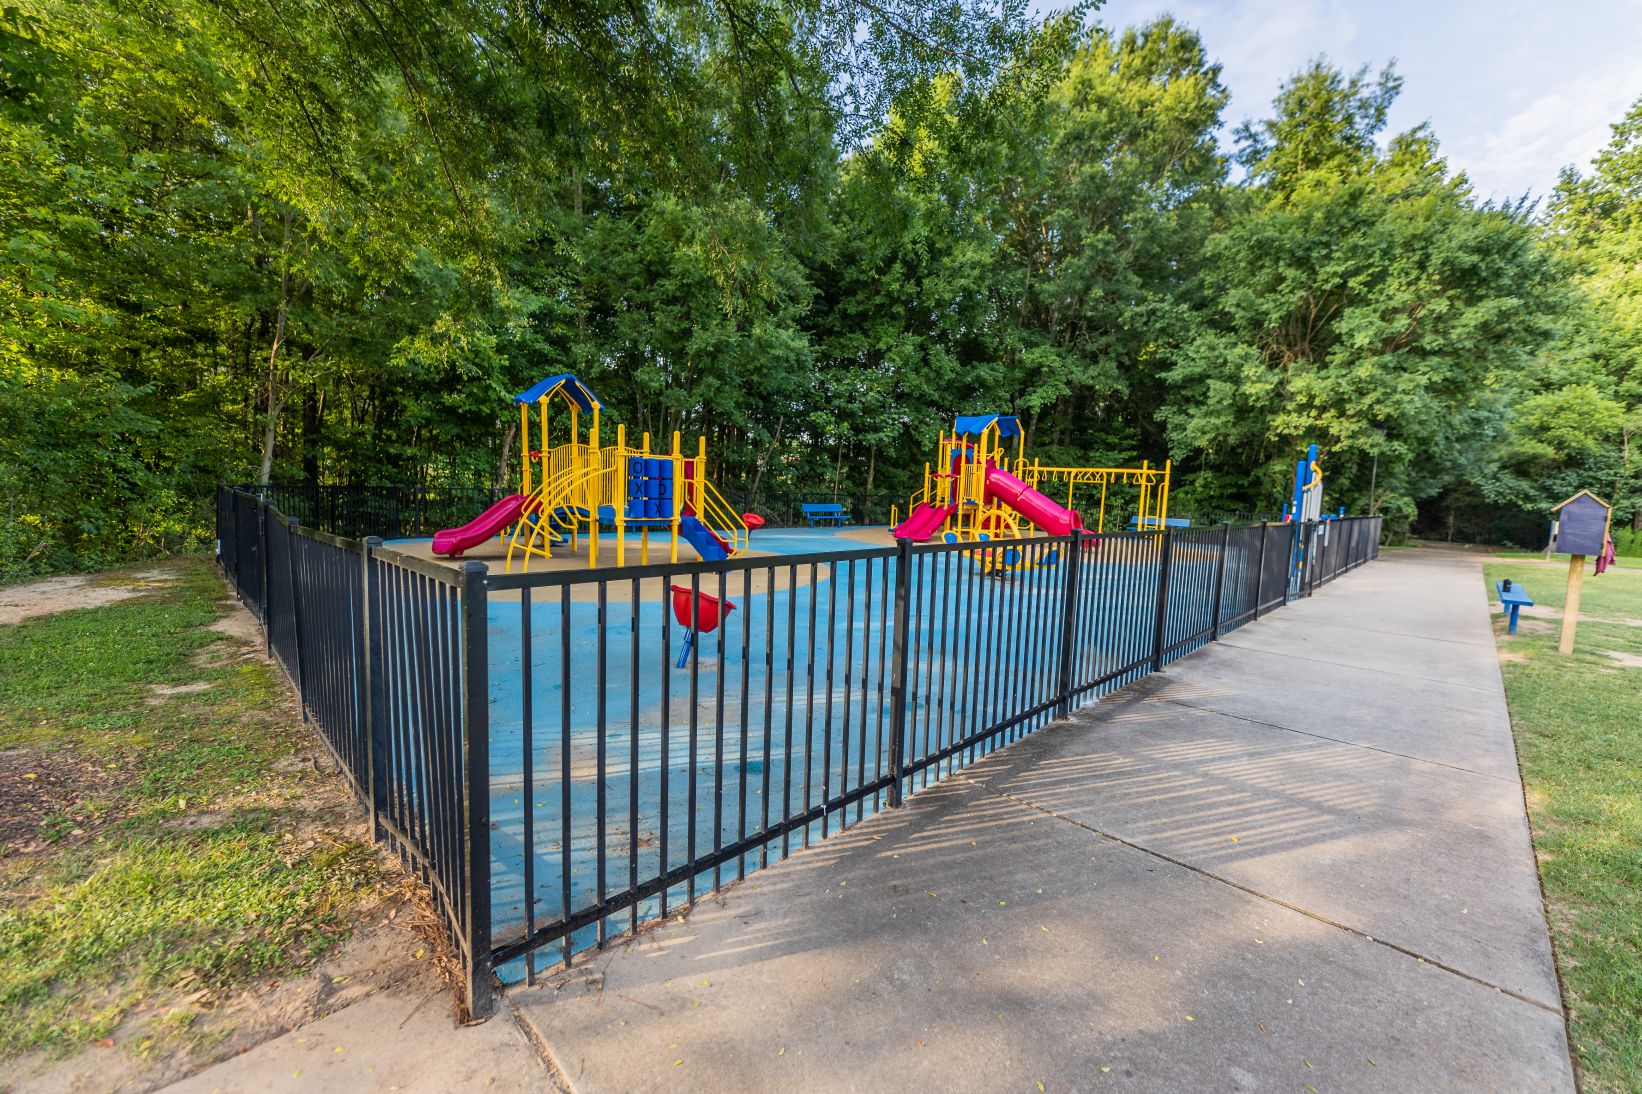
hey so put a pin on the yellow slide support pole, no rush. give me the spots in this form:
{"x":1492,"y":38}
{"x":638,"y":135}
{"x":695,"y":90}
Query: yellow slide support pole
{"x":1100,"y":521}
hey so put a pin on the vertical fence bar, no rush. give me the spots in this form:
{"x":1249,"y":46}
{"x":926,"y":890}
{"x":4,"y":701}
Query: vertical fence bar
{"x":262,"y":557}
{"x":898,"y":685}
{"x":1165,"y":557}
{"x":296,"y":616}
{"x":376,"y":752}
{"x":1219,"y":581}
{"x":476,"y":716}
{"x":1260,"y":572}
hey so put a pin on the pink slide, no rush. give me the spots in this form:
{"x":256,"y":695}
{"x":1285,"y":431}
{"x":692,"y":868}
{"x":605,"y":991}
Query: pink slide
{"x":453,"y":541}
{"x":1006,"y":489}
{"x":922,"y":521}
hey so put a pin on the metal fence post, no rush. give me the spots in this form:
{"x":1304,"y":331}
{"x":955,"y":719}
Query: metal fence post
{"x":375,"y":703}
{"x":898,"y":679}
{"x":476,"y":725}
{"x":1165,"y":556}
{"x":1260,"y":571}
{"x":1306,"y":537}
{"x":1220,"y":580}
{"x":1069,"y":625}
{"x":291,"y":526}
{"x":262,"y":554}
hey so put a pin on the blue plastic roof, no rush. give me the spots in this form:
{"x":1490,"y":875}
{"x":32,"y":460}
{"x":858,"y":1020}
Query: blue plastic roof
{"x":970,"y":425}
{"x":572,"y":387}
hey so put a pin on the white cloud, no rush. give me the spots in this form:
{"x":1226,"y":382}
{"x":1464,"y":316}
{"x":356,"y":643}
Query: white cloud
{"x":1568,"y":124}
{"x":1514,"y":89}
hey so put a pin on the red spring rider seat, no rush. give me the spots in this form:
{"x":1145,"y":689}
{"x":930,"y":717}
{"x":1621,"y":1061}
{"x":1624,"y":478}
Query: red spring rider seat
{"x":697,"y":612}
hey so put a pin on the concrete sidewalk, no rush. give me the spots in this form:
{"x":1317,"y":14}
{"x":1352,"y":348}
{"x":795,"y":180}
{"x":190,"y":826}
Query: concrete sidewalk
{"x":1297,"y":860}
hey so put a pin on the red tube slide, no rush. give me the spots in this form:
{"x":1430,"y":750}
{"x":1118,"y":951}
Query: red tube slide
{"x":1006,"y":489}
{"x":492,"y":522}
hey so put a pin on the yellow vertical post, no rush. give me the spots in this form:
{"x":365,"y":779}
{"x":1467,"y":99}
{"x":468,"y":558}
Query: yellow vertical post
{"x":1145,"y":482}
{"x":699,"y":484}
{"x":524,"y":450}
{"x":591,"y":490}
{"x":672,"y":555}
{"x":1163,"y":496}
{"x":1100,"y":521}
{"x":644,"y":529}
{"x":618,"y":494}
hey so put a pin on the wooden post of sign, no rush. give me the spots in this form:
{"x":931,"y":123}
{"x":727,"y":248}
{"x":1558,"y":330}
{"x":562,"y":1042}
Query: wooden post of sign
{"x":1570,"y":607}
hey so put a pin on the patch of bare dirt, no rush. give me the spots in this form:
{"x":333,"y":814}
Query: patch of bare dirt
{"x":66,"y":594}
{"x":162,"y":692}
{"x":1629,"y":660}
{"x":37,"y":788}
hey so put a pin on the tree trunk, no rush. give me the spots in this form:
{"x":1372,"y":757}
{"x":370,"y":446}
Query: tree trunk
{"x":313,"y":409}
{"x":502,"y":466}
{"x":276,"y":401}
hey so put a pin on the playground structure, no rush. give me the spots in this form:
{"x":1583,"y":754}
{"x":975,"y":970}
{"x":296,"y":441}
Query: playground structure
{"x":572,"y":488}
{"x":975,"y":491}
{"x":1306,"y":502}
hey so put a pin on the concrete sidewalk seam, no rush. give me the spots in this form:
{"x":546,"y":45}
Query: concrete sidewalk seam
{"x":1376,"y":630}
{"x":538,"y":1046}
{"x":1210,"y":875}
{"x":1359,"y":668}
{"x":1332,"y":740}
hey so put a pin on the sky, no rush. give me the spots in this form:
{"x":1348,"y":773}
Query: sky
{"x":1514,"y":90}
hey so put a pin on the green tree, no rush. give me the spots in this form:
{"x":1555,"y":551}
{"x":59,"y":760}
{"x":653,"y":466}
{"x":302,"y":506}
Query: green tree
{"x":1361,"y":299}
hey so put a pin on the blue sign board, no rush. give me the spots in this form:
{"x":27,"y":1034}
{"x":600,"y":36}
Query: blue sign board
{"x":1582,"y":527}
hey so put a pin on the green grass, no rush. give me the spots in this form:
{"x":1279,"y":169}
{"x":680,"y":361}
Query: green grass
{"x":187,"y":871}
{"x":1614,"y":595}
{"x":1578,"y":724}
{"x":1625,"y":561}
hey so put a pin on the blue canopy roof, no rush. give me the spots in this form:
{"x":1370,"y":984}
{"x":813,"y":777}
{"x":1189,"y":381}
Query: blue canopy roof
{"x":572,"y":388}
{"x":970,"y":425}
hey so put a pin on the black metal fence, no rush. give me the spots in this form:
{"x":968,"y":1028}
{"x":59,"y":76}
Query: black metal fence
{"x":387,"y":654}
{"x":561,"y":761}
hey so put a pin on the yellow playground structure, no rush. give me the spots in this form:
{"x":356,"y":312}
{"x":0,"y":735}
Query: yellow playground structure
{"x":976,"y":491}
{"x":570,"y":489}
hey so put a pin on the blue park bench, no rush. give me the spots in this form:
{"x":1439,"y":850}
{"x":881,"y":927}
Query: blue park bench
{"x":825,"y":513}
{"x":1513,"y":600}
{"x":1151,"y":522}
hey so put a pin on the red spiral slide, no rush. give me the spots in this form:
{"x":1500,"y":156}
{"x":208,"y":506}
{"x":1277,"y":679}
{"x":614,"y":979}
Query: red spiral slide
{"x":1006,"y":489}
{"x":492,"y":522}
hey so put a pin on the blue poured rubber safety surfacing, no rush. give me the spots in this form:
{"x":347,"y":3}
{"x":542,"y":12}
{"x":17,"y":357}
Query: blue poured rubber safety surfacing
{"x":816,"y":721}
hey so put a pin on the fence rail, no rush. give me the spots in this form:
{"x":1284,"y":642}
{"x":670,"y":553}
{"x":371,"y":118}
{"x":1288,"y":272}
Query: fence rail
{"x":559,"y":761}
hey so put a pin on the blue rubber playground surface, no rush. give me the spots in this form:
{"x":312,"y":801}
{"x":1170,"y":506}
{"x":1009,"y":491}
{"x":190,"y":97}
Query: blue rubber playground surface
{"x":778,"y":713}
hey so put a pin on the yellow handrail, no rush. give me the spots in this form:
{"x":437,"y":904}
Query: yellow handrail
{"x":718,"y":515}
{"x":558,"y":492}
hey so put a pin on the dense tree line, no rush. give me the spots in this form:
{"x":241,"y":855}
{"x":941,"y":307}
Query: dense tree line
{"x":322,"y":241}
